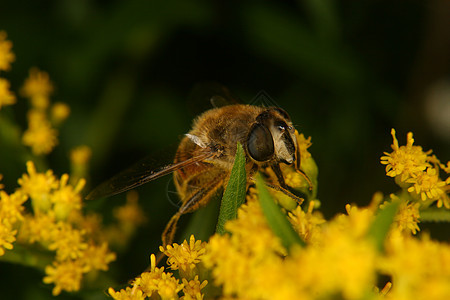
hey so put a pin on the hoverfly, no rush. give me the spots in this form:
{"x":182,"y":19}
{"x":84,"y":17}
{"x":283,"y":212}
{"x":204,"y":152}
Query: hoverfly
{"x":205,"y":156}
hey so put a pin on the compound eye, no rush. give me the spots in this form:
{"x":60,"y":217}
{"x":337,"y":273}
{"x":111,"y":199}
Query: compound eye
{"x":260,"y":143}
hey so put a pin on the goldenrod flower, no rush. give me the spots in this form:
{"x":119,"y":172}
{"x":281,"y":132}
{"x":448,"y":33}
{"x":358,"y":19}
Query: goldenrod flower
{"x":168,"y":287}
{"x":97,"y":257}
{"x":147,"y":281}
{"x":250,"y":220}
{"x":307,"y":223}
{"x":67,"y":242}
{"x":59,"y":113}
{"x":38,"y":186}
{"x":130,"y":215}
{"x":66,"y":198}
{"x":7,"y":237}
{"x":405,"y":161}
{"x":11,"y":212}
{"x":185,"y":257}
{"x":407,"y":217}
{"x":420,"y":268}
{"x":6,"y":55}
{"x":192,"y":288}
{"x":156,"y":281}
{"x":11,"y":206}
{"x":127,"y":294}
{"x":244,"y":254}
{"x":430,"y":187}
{"x":38,"y":228}
{"x":65,"y":275}
{"x":80,"y":155}
{"x":417,"y":172}
{"x":40,"y":135}
{"x":90,"y":222}
{"x":38,"y":88}
{"x":6,"y":96}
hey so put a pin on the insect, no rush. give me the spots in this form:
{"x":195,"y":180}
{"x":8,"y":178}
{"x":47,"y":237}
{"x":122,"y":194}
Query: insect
{"x":205,"y":156}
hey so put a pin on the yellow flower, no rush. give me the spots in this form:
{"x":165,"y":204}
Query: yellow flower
{"x":6,"y":96}
{"x":65,"y":275}
{"x":407,"y":217}
{"x":66,"y":198}
{"x":38,"y":88}
{"x":97,"y":257}
{"x":192,"y":289}
{"x":39,"y":228}
{"x":130,"y":215}
{"x":250,"y":220}
{"x":59,"y":112}
{"x":6,"y":55}
{"x":67,"y":242}
{"x":80,"y":155}
{"x":168,"y":287}
{"x":341,"y":265}
{"x":185,"y":257}
{"x":341,"y":262}
{"x":420,"y":268}
{"x":90,"y":222}
{"x":303,"y":144}
{"x":38,"y":186}
{"x":40,"y":136}
{"x":11,"y":206}
{"x":430,"y":187}
{"x":127,"y":294}
{"x":147,"y":281}
{"x":237,"y":259}
{"x":307,"y":223}
{"x":405,"y":161}
{"x":11,"y":212}
{"x":7,"y":236}
{"x":79,"y":159}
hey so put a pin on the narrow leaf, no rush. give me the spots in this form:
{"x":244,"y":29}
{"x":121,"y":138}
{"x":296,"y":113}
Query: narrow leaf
{"x":383,"y":221}
{"x":434,"y":215}
{"x":276,"y":218}
{"x":234,"y":194}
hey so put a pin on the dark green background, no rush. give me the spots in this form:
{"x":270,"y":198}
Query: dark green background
{"x":346,"y":71}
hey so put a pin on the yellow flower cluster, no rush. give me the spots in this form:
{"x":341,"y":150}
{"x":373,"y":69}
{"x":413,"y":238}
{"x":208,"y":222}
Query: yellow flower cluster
{"x":41,"y":135}
{"x":6,"y":58}
{"x":417,"y":172}
{"x":186,"y":258}
{"x":55,"y":224}
{"x":11,"y":209}
{"x":342,"y":257}
{"x":419,"y":268}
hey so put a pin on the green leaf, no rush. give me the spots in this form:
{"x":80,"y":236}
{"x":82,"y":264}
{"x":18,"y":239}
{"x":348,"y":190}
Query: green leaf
{"x":383,"y":221}
{"x":276,"y":218}
{"x":234,"y":194}
{"x":434,"y":215}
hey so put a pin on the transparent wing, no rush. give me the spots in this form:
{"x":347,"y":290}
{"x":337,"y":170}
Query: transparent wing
{"x":205,"y":94}
{"x":139,"y":174}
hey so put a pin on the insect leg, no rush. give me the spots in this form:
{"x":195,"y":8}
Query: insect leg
{"x":286,"y":192}
{"x":198,"y":199}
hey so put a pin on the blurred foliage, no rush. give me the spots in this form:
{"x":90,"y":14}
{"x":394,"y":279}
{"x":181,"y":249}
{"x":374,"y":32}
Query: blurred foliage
{"x":346,"y":71}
